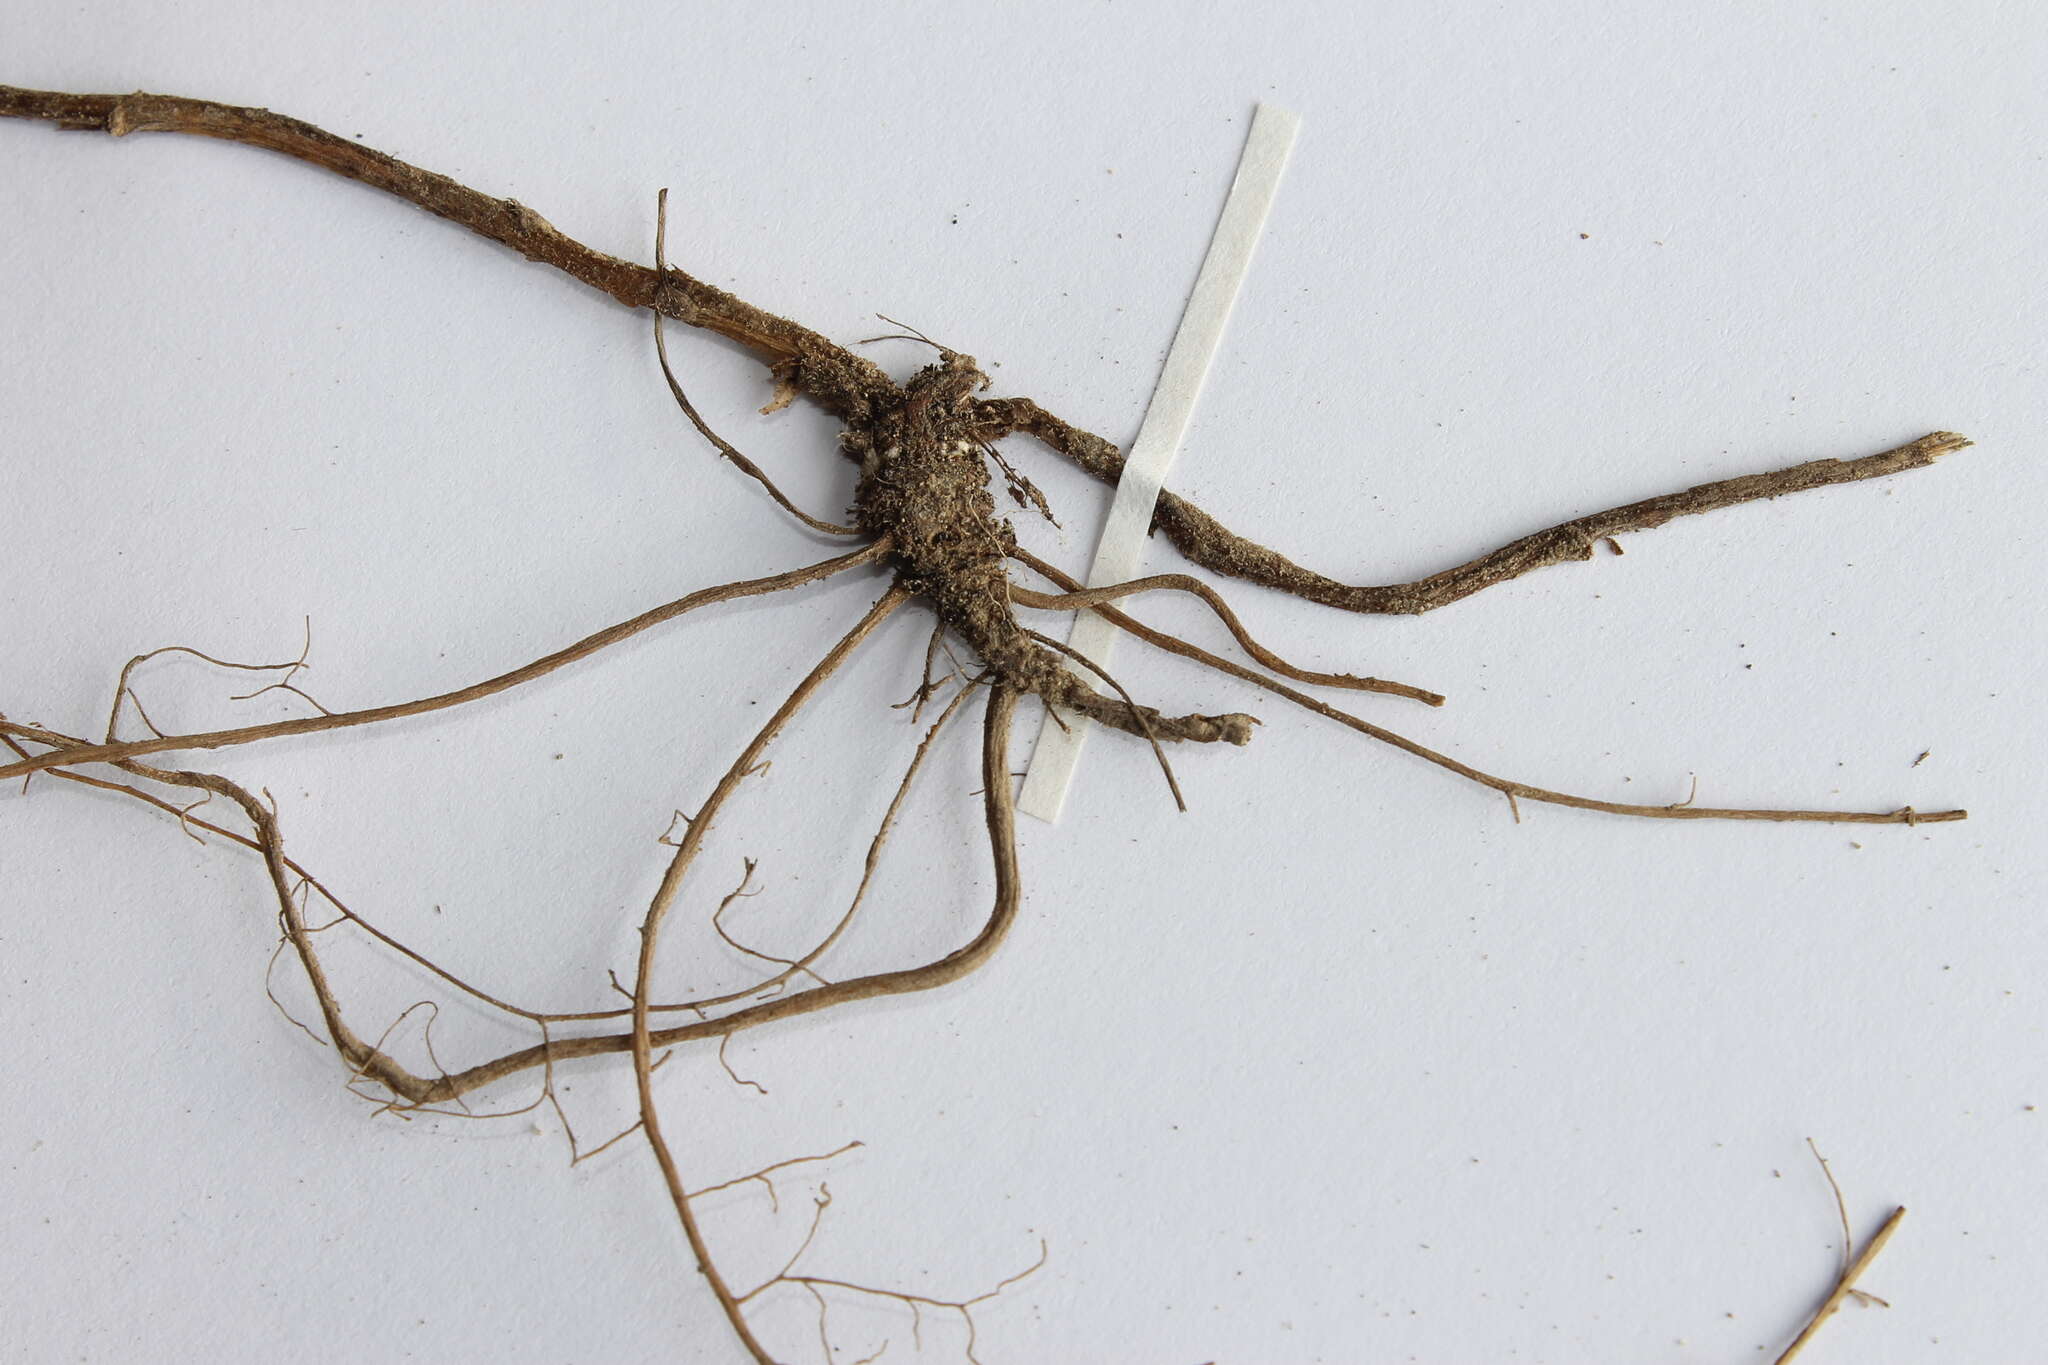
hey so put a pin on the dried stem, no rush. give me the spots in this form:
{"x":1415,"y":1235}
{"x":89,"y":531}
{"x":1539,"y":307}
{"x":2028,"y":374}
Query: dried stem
{"x":1852,"y":1270}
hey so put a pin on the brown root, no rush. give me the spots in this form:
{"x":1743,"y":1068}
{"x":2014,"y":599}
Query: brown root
{"x":66,"y":752}
{"x":1512,"y":789}
{"x":1207,"y":542}
{"x":925,"y":507}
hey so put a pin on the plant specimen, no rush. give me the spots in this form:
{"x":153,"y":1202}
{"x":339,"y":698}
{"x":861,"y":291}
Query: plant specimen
{"x":924,"y":512}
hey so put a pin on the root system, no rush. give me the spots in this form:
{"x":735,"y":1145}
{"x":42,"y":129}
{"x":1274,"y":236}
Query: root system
{"x":926,"y":450}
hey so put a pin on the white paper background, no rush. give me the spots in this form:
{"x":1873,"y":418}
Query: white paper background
{"x":1343,"y":1065}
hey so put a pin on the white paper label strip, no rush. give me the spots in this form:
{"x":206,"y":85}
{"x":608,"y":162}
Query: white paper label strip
{"x":1122,"y":549}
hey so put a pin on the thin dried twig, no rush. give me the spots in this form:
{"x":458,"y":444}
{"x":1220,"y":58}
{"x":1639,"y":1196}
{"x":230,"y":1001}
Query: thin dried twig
{"x":1852,"y":1268}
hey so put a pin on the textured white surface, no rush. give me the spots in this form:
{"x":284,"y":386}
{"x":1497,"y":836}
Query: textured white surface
{"x":1121,"y":551}
{"x":1343,"y":1065}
